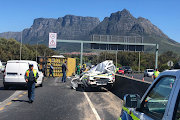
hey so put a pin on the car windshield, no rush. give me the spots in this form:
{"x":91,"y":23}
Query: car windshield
{"x":127,"y":67}
{"x":120,"y":69}
{"x":150,"y":70}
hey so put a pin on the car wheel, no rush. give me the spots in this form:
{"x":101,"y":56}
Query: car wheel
{"x":42,"y":82}
{"x":109,"y":87}
{"x":6,"y":87}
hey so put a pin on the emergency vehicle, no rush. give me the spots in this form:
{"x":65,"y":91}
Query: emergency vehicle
{"x":161,"y":101}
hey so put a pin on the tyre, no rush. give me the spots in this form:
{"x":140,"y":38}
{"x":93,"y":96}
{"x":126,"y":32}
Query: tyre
{"x":41,"y":83}
{"x":109,"y":87}
{"x":6,"y":87}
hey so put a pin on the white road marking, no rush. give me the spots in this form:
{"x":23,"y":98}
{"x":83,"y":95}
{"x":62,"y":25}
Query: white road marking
{"x":1,"y":79}
{"x":56,"y":81}
{"x":92,"y":107}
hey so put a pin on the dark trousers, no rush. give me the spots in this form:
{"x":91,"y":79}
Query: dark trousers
{"x":51,"y":73}
{"x":64,"y":76}
{"x":31,"y":90}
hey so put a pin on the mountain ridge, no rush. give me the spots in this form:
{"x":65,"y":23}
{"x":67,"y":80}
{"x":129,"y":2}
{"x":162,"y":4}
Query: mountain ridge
{"x":121,"y":23}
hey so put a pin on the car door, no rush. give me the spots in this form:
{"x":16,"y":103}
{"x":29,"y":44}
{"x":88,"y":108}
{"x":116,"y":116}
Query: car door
{"x":12,"y":69}
{"x":22,"y":69}
{"x":155,"y":101}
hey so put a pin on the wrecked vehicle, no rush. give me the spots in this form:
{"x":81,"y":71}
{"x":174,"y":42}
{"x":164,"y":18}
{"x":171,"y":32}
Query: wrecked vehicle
{"x":103,"y":74}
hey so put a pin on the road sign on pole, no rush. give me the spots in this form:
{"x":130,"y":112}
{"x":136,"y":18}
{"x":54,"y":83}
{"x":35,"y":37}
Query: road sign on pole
{"x":52,"y":40}
{"x":170,"y":63}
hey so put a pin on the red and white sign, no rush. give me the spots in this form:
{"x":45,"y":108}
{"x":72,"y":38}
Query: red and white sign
{"x":52,"y":40}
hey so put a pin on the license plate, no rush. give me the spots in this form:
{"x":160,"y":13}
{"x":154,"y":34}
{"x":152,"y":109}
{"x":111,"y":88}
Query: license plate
{"x":101,"y":83}
{"x":11,"y":74}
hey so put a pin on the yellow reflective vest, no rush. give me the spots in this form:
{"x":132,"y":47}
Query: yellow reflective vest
{"x":156,"y":74}
{"x":34,"y":73}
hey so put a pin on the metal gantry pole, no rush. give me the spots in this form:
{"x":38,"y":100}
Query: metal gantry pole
{"x":156,"y":59}
{"x":81,"y":54}
{"x":116,"y":58}
{"x":21,"y":45}
{"x":139,"y":62}
{"x":36,"y":51}
{"x":36,"y":48}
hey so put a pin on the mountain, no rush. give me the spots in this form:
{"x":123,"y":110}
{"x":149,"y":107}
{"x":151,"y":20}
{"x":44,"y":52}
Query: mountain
{"x":121,"y":23}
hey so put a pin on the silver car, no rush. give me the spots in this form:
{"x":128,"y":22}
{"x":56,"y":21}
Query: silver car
{"x":148,"y":72}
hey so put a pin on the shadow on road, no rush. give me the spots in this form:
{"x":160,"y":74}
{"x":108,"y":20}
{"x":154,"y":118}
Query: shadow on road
{"x":91,"y":89}
{"x":15,"y":88}
{"x":19,"y":101}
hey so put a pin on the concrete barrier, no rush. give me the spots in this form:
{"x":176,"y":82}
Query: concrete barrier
{"x":126,"y":85}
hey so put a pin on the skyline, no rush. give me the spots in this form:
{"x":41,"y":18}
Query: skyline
{"x":19,"y":14}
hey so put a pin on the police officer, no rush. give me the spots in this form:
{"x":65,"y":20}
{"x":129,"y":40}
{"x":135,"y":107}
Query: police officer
{"x":156,"y":74}
{"x":31,"y":78}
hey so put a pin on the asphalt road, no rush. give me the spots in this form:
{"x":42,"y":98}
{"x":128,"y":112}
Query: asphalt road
{"x":140,"y":77}
{"x":4,"y":94}
{"x":57,"y":101}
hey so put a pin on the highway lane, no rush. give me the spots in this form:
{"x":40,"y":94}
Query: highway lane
{"x":56,"y":100}
{"x":140,"y":77}
{"x":4,"y":94}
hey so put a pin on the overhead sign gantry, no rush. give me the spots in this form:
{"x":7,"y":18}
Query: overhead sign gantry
{"x":112,"y":42}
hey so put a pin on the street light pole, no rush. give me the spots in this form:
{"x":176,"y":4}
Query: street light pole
{"x":36,"y":48}
{"x":21,"y":45}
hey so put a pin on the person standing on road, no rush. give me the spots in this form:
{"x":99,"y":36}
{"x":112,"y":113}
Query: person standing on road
{"x":31,"y":78}
{"x":156,"y":74}
{"x":51,"y":70}
{"x":78,"y":69}
{"x":64,"y":68}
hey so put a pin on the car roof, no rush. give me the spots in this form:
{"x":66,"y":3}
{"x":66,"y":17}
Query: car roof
{"x":149,"y":69}
{"x":22,"y":61}
{"x":171,"y":72}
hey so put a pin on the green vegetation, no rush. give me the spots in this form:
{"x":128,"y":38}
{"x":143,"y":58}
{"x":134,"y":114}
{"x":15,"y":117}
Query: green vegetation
{"x":10,"y":50}
{"x":147,"y":60}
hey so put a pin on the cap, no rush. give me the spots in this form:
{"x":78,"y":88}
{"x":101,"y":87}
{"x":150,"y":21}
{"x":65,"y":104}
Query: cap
{"x":65,"y":61}
{"x":30,"y":64}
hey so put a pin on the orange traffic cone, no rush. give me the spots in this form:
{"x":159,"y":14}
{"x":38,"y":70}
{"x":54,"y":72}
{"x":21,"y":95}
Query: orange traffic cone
{"x":143,"y":79}
{"x":132,"y":77}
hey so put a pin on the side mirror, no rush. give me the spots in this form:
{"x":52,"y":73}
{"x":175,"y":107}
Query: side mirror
{"x":132,"y":100}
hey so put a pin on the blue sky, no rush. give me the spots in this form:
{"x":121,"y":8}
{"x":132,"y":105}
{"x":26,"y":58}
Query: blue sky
{"x":17,"y":15}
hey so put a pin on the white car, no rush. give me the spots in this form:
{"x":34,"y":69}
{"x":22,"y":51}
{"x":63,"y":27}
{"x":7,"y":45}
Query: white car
{"x":14,"y":74}
{"x":148,"y":72}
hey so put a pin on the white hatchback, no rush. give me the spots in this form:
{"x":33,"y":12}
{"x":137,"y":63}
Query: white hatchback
{"x":148,"y":72}
{"x":14,"y":74}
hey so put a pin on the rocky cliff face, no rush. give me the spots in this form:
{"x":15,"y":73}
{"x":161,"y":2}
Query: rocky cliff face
{"x":121,"y":23}
{"x":68,"y":27}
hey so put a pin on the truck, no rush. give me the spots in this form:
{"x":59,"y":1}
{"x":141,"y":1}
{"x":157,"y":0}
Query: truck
{"x":101,"y":75}
{"x":161,"y":101}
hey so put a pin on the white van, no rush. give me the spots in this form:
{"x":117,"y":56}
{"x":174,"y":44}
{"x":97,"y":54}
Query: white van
{"x":14,"y":74}
{"x":1,"y":66}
